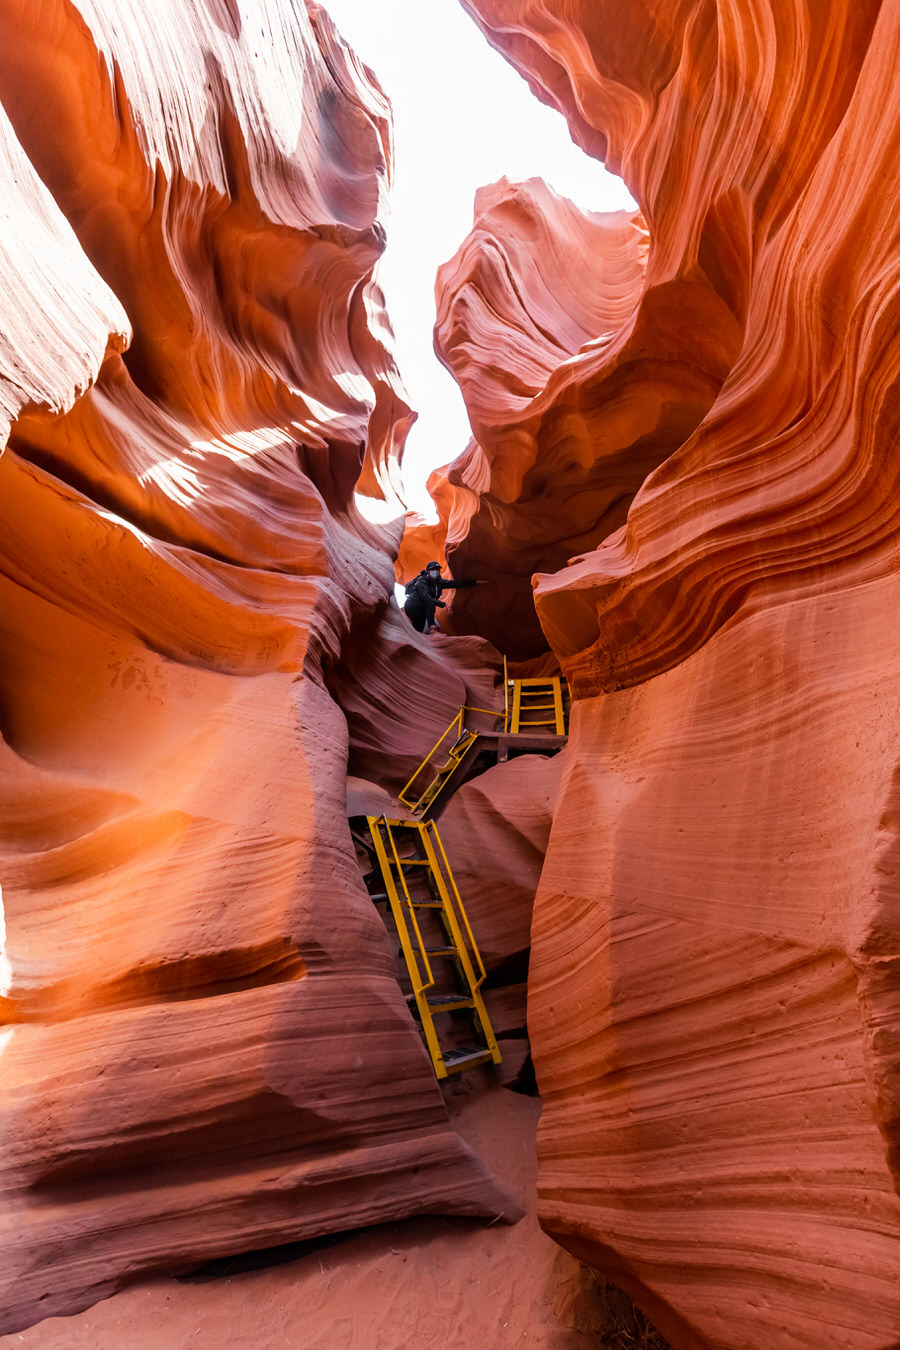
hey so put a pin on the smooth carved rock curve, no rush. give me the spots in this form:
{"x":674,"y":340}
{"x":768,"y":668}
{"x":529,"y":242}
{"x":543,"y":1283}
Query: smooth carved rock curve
{"x":204,"y":1045}
{"x":713,"y":986}
{"x":581,"y":373}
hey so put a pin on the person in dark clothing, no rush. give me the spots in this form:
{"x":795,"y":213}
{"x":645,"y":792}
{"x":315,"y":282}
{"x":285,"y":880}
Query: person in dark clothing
{"x":424,"y":597}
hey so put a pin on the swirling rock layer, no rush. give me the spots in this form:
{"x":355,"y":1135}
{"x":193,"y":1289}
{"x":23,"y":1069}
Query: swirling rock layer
{"x":713,"y":999}
{"x":204,"y":1046}
{"x":575,"y":391}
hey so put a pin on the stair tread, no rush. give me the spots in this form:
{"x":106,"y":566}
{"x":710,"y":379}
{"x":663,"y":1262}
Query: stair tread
{"x":440,"y":951}
{"x":466,"y":1054}
{"x":437,"y":1001}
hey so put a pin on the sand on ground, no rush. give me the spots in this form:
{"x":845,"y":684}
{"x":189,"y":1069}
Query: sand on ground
{"x":422,"y":1284}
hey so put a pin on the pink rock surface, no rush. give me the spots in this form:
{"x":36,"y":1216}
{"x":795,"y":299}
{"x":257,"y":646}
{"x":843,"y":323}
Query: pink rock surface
{"x":204,"y":1048}
{"x":429,"y":1282}
{"x":713,"y":989}
{"x":582,"y":369}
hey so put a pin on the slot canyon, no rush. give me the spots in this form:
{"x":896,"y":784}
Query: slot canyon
{"x":677,"y":496}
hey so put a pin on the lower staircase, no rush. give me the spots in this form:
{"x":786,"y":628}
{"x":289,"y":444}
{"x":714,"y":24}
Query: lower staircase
{"x":445,"y":968}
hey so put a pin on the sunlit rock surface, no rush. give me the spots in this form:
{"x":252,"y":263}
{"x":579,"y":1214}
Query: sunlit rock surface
{"x":422,"y":541}
{"x":714,"y":996}
{"x":582,"y":369}
{"x":204,"y":1048}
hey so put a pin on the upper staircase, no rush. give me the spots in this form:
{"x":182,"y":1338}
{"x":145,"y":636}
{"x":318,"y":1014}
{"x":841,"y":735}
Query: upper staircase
{"x":532,"y":718}
{"x":533,"y":698}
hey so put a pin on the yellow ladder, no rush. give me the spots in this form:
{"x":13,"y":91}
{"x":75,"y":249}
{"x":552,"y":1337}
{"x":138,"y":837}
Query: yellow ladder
{"x":537,"y":696}
{"x":442,"y":957}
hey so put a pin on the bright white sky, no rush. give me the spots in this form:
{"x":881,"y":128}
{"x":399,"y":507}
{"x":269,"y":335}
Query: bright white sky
{"x":462,"y":118}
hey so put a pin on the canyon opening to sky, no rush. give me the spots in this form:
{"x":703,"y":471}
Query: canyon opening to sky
{"x":660,"y":438}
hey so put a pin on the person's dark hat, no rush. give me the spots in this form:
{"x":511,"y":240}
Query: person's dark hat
{"x":428,"y":566}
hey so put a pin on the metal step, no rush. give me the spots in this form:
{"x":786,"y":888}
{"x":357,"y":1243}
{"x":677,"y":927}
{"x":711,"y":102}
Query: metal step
{"x":441,"y":951}
{"x":448,"y":1002}
{"x":465,"y":1058}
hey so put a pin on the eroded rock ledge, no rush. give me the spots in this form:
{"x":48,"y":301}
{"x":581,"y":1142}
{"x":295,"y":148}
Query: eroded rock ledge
{"x":204,"y":1046}
{"x":713,"y":995}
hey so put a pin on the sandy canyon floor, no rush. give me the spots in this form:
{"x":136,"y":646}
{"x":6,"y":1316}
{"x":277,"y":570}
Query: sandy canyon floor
{"x":432,"y":1284}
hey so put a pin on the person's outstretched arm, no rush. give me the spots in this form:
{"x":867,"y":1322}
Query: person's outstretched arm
{"x":455,"y":585}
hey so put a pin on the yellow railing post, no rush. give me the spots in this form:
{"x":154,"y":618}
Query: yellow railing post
{"x":445,"y":874}
{"x":467,"y":949}
{"x":558,"y":708}
{"x":418,"y":984}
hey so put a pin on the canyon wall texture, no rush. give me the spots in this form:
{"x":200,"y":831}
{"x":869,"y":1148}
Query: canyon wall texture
{"x":203,"y":1048}
{"x":714,"y":993}
{"x":575,"y":391}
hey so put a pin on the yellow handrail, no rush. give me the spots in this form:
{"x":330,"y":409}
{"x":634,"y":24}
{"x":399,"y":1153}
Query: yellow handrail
{"x":448,"y":874}
{"x":456,"y":725}
{"x":417,"y":978}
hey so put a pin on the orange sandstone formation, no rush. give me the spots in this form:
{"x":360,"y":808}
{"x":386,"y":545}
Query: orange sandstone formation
{"x":714,"y":983}
{"x":204,"y":1048}
{"x":575,"y":391}
{"x":422,"y":540}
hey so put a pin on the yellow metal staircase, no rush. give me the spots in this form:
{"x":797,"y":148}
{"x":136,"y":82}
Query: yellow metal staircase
{"x":537,"y":703}
{"x":445,"y":967}
{"x":532,"y":708}
{"x":431,"y":777}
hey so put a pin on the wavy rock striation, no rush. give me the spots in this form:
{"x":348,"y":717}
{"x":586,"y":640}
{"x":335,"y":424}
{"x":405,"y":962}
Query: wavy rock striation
{"x":204,"y":1047}
{"x":574,"y":389}
{"x":714,"y":981}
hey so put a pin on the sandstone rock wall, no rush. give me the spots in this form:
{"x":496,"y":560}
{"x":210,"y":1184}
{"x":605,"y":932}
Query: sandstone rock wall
{"x":713,"y":996}
{"x":204,"y":1048}
{"x":581,"y":372}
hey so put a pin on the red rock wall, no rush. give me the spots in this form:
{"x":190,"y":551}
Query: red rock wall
{"x":204,"y":1048}
{"x":575,"y":391}
{"x":714,"y":983}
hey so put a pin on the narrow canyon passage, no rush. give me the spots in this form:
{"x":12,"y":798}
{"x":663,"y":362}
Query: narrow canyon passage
{"x":677,"y":499}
